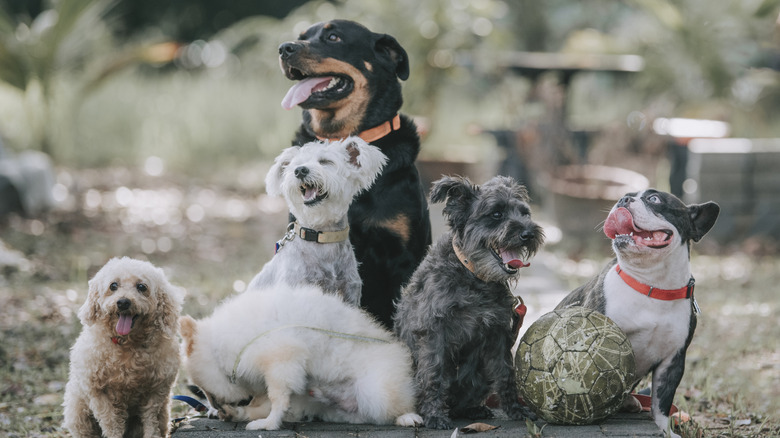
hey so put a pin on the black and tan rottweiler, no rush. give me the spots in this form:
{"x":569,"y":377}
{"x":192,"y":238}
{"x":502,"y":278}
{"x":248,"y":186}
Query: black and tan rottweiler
{"x":348,"y":84}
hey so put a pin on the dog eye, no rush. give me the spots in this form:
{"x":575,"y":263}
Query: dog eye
{"x":655,"y":199}
{"x":141,"y":287}
{"x":497,"y":215}
{"x":334,"y":38}
{"x":114,"y":286}
{"x":324,"y":162}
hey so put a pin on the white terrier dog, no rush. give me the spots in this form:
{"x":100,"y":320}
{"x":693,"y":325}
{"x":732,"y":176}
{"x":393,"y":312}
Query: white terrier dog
{"x":318,"y":181}
{"x":294,"y":353}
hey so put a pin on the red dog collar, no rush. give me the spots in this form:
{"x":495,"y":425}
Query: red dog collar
{"x":659,"y":294}
{"x":377,"y":132}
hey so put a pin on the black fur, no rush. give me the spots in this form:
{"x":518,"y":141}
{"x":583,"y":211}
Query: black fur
{"x":389,"y":223}
{"x":458,"y":324}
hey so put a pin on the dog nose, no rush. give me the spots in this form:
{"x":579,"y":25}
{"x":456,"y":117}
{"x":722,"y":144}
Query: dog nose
{"x":123,"y":304}
{"x":301,"y":172}
{"x":624,"y":201}
{"x":527,"y":235}
{"x":287,"y":49}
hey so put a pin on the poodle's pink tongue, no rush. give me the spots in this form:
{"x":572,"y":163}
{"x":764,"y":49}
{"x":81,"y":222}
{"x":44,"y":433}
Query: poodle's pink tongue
{"x":124,"y":324}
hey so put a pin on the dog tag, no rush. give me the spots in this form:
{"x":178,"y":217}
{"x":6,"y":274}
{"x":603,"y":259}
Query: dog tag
{"x":695,"y":305}
{"x":520,"y":311}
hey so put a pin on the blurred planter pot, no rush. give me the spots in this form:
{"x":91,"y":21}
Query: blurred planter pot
{"x":579,"y":197}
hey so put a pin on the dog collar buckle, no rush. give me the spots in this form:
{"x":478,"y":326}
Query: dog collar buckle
{"x":308,"y":234}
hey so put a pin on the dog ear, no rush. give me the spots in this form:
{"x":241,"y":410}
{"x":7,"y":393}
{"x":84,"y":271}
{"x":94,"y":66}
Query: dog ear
{"x":703,"y":217}
{"x":188,"y":328}
{"x":273,"y":180}
{"x":389,"y":47}
{"x":169,"y":301}
{"x":459,"y":193}
{"x":90,"y":310}
{"x":368,"y":160}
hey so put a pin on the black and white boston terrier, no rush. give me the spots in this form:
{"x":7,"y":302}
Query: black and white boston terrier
{"x":647,"y":289}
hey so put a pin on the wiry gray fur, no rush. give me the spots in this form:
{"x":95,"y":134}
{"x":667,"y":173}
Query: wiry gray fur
{"x":458,"y":326}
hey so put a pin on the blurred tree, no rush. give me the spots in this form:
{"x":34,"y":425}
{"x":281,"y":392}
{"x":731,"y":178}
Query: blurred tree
{"x":188,"y":20}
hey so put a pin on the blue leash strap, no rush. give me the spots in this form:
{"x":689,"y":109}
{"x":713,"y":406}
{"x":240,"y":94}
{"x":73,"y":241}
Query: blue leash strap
{"x":198,"y":406}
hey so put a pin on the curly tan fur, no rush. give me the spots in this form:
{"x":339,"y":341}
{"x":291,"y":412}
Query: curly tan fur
{"x":120,"y":383}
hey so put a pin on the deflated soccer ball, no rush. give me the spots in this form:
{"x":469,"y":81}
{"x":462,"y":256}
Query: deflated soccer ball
{"x":574,"y":366}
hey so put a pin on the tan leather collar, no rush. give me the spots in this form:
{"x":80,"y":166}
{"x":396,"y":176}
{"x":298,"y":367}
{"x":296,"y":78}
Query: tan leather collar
{"x":464,"y":260}
{"x":320,"y":236}
{"x":377,"y":132}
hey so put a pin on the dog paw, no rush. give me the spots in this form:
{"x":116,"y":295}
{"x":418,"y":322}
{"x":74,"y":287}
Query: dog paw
{"x":438,"y":422}
{"x":520,"y":412}
{"x":409,"y":420}
{"x":263,"y":424}
{"x":474,"y":413}
{"x":631,"y":404}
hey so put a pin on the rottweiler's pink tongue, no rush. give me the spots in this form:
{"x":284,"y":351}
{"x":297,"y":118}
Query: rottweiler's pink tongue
{"x":302,"y":90}
{"x":124,"y":325}
{"x":619,"y":221}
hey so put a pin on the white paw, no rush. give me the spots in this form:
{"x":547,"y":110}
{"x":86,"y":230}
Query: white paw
{"x":212,"y":413}
{"x":263,"y":424}
{"x":409,"y":420}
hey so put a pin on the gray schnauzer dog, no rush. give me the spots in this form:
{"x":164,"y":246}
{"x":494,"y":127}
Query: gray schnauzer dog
{"x":318,"y":181}
{"x":457,"y":312}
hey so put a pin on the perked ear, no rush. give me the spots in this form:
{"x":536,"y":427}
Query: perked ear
{"x":368,"y":160}
{"x":703,"y":217}
{"x":388,"y":46}
{"x":459,"y":193}
{"x":273,"y":180}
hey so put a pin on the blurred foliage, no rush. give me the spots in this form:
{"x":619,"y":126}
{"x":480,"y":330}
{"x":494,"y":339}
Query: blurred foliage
{"x":74,"y":88}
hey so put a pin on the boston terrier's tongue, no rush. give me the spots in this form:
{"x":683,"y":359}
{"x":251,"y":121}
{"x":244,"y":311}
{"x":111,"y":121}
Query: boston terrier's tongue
{"x":619,"y":221}
{"x":124,"y":325}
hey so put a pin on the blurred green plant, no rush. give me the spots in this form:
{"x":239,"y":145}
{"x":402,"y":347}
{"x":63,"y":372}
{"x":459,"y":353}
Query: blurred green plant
{"x":71,"y":38}
{"x":31,"y":53}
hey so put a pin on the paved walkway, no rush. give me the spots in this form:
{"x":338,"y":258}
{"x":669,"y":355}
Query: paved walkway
{"x":542,"y":291}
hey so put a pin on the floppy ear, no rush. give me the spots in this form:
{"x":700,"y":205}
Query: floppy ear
{"x":273,"y":180}
{"x":188,"y":328}
{"x":368,"y":160}
{"x":90,"y":310}
{"x":169,"y":301}
{"x":388,"y":46}
{"x":703,"y":217}
{"x":459,"y":193}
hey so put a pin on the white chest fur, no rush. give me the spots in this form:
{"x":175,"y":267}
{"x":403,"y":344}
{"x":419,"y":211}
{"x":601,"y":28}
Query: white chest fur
{"x":657,"y":329}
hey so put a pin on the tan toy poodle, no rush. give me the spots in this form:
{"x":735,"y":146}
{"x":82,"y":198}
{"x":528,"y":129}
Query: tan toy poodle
{"x":126,"y":359}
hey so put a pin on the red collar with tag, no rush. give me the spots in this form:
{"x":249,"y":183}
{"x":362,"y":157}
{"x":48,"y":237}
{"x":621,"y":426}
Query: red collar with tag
{"x":377,"y":132}
{"x":659,"y":294}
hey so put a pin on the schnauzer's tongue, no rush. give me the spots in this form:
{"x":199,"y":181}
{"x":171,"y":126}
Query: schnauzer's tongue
{"x":619,"y":221}
{"x":302,"y":90}
{"x":510,"y":259}
{"x":124,"y":324}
